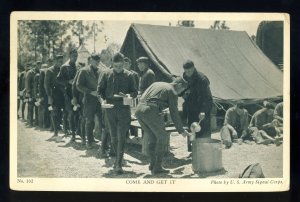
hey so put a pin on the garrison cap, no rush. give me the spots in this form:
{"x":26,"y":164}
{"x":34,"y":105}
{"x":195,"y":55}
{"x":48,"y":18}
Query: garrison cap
{"x":126,"y":59}
{"x":59,"y":56}
{"x":142,"y":60}
{"x":44,"y":65}
{"x":188,"y":64}
{"x":240,"y":104}
{"x":268,"y":105}
{"x":81,"y":64}
{"x":95,"y":56}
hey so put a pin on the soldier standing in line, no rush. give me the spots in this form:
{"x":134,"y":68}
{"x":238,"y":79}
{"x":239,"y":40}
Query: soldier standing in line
{"x":127,"y":65}
{"x":22,"y":89}
{"x":44,"y":118}
{"x":78,"y":106}
{"x":87,"y":84}
{"x":105,"y":63}
{"x":18,"y":84}
{"x":55,"y":94}
{"x":65,"y":78}
{"x":112,"y":85}
{"x":147,"y":75}
{"x":29,"y":85}
{"x":36,"y":94}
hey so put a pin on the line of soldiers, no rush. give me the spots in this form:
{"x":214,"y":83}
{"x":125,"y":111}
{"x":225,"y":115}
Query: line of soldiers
{"x":67,"y":97}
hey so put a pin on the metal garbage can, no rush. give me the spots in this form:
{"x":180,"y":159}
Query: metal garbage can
{"x":206,"y":155}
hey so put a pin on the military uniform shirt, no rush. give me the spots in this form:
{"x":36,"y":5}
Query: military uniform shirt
{"x":111,"y":83}
{"x":164,"y":96}
{"x":147,"y":78}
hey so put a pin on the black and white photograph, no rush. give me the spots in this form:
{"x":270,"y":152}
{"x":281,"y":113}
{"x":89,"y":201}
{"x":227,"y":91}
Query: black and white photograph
{"x":149,"y":101}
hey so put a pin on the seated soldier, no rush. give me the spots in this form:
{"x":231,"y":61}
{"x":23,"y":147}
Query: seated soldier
{"x":235,"y":124}
{"x":278,"y":116}
{"x":261,"y":126}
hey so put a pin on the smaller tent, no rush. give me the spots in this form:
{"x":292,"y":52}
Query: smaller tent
{"x":83,"y":54}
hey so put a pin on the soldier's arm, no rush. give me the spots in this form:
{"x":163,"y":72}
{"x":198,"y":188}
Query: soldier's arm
{"x":207,"y":99}
{"x":252,"y":121}
{"x":81,"y":83}
{"x":173,"y":101}
{"x":150,"y":79}
{"x":133,"y":87}
{"x":245,"y":121}
{"x":276,"y":113}
{"x":41,"y":84}
{"x":29,"y":80}
{"x":62,"y":76}
{"x":102,"y":84}
{"x":228,"y":120}
{"x":20,"y":80}
{"x":137,"y":79}
{"x":48,"y":83}
{"x":74,"y":89}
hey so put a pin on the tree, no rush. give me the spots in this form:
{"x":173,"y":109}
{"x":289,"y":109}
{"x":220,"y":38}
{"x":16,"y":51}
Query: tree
{"x":113,"y":48}
{"x":219,"y":25}
{"x":39,"y":39}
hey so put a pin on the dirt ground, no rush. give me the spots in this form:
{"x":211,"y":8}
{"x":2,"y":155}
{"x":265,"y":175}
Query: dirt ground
{"x":39,"y":156}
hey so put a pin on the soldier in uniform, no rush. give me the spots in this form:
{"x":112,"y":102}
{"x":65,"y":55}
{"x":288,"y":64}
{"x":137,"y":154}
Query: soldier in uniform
{"x":36,"y":93}
{"x":263,"y":129}
{"x":55,"y":94}
{"x":65,"y":77}
{"x":127,"y":65}
{"x":44,"y":118}
{"x":19,"y":86}
{"x":197,"y":100}
{"x":113,"y":83}
{"x":22,"y":89}
{"x":29,"y":85}
{"x":235,"y":124}
{"x":147,"y":75}
{"x":78,"y":106}
{"x":87,"y":84}
{"x":159,"y":96}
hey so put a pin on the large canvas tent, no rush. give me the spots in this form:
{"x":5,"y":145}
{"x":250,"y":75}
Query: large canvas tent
{"x":236,"y":67}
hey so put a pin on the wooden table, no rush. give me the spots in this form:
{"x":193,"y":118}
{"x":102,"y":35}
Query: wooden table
{"x":144,"y":139}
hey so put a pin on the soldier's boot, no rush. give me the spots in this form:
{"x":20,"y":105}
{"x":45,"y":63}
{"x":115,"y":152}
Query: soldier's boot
{"x":118,"y":169}
{"x":53,"y":118}
{"x":152,"y":156}
{"x":73,"y":137}
{"x":83,"y":141}
{"x":157,"y":168}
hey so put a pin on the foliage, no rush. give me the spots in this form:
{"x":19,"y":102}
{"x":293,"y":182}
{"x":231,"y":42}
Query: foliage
{"x":42,"y":39}
{"x":219,"y":25}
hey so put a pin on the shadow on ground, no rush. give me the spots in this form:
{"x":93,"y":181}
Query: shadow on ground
{"x":126,"y":174}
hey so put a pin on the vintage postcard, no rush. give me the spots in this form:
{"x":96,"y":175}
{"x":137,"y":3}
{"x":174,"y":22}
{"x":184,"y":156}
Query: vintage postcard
{"x":151,"y":102}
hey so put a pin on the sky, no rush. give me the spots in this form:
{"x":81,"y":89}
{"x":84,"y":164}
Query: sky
{"x":116,"y":30}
